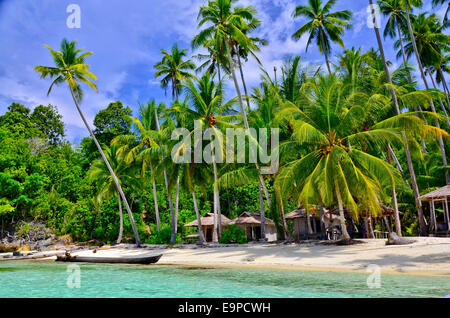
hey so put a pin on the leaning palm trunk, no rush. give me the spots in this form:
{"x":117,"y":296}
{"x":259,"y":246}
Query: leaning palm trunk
{"x":444,"y":85}
{"x":244,"y":115}
{"x":405,"y":60}
{"x":345,"y":235}
{"x":422,"y":74}
{"x":263,"y":218}
{"x":440,"y":101}
{"x":423,"y":228}
{"x":155,"y":199}
{"x":119,"y":188}
{"x":242,"y":78}
{"x":216,"y":197}
{"x":119,"y":239}
{"x":173,"y":237}
{"x":199,"y":221}
{"x":325,"y":53}
{"x":177,"y":199}
{"x":398,"y":226}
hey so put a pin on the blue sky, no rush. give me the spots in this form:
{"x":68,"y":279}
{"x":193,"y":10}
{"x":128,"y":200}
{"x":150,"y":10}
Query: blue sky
{"x":126,"y":38}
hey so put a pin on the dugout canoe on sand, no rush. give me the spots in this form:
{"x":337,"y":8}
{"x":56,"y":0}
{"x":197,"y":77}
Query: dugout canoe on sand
{"x":111,"y":260}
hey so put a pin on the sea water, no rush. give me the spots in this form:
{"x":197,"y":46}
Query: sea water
{"x":44,"y":279}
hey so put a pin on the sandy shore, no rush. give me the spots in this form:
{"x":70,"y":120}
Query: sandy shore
{"x":427,"y":256}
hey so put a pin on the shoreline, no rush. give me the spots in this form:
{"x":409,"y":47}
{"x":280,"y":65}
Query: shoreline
{"x":428,"y":256}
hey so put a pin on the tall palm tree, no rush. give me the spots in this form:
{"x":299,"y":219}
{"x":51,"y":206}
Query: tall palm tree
{"x":228,"y":25}
{"x":173,"y":69}
{"x":70,"y":68}
{"x":338,"y":168}
{"x":423,"y":228}
{"x":99,"y":175}
{"x":428,"y":37}
{"x":323,"y":25}
{"x":395,"y":24}
{"x":207,"y":106}
{"x":146,"y":149}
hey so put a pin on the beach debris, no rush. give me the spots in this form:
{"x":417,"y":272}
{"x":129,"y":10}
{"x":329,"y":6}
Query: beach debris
{"x":394,"y":239}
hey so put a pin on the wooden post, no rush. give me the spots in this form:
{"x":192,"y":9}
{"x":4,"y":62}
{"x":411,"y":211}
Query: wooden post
{"x":447,"y":213}
{"x":433,"y":216}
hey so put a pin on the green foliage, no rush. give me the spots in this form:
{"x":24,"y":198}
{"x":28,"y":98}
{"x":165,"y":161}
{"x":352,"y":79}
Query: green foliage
{"x":162,"y":237}
{"x":233,"y":234}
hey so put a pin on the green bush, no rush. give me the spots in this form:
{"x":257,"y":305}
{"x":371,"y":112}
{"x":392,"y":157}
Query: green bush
{"x":233,"y":234}
{"x":162,"y":237}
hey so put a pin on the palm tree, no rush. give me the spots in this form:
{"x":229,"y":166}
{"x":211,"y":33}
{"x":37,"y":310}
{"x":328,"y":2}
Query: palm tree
{"x":323,"y":26}
{"x":228,"y":25}
{"x":71,"y":68}
{"x":429,"y":37}
{"x":146,"y":149}
{"x":423,"y":228}
{"x":395,"y":24}
{"x":174,"y":69}
{"x":207,"y":106}
{"x":99,"y":175}
{"x":337,"y":167}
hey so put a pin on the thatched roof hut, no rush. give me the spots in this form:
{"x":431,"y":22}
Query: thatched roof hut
{"x":251,"y":223}
{"x":208,"y":220}
{"x":250,"y":218}
{"x":440,"y":194}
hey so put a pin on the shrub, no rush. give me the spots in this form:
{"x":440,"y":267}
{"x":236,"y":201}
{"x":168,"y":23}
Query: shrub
{"x":233,"y":234}
{"x":162,"y":237}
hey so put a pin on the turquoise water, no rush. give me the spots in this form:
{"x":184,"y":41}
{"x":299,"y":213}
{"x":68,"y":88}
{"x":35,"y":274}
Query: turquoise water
{"x":41,"y":279}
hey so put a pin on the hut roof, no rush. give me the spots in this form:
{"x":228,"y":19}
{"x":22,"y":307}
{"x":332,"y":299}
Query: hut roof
{"x":207,"y":220}
{"x":385,"y":211}
{"x":436,"y":195}
{"x":299,"y":213}
{"x":251,"y":218}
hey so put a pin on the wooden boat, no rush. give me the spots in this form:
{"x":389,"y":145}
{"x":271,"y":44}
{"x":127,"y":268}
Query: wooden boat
{"x":112,"y":260}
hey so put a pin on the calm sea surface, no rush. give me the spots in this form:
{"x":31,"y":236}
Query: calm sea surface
{"x":40,"y":279}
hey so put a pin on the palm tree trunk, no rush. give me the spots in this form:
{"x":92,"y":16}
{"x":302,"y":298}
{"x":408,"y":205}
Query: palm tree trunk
{"x":199,"y":221}
{"x":287,"y":233}
{"x":423,"y":228}
{"x":242,"y":77}
{"x":119,"y":188}
{"x":398,"y":226}
{"x":177,"y":199}
{"x":444,"y":85}
{"x":345,"y":235}
{"x":155,"y":199}
{"x":173,"y":237}
{"x":422,"y":74}
{"x":440,"y":101}
{"x":263,"y":217}
{"x":325,"y":53}
{"x":405,"y":60}
{"x":216,"y":196}
{"x":244,"y":115}
{"x":119,"y":239}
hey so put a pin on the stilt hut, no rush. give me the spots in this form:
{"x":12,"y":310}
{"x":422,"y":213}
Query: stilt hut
{"x":441,"y":195}
{"x":251,"y":223}
{"x":305,"y":225}
{"x":208,"y":225}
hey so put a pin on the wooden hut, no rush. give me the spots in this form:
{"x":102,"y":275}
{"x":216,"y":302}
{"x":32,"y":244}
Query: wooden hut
{"x":208,"y":225}
{"x":305,"y":225}
{"x":441,"y":195}
{"x":251,"y":223}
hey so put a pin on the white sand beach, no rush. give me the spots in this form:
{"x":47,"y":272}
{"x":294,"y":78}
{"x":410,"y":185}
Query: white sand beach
{"x":427,"y":256}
